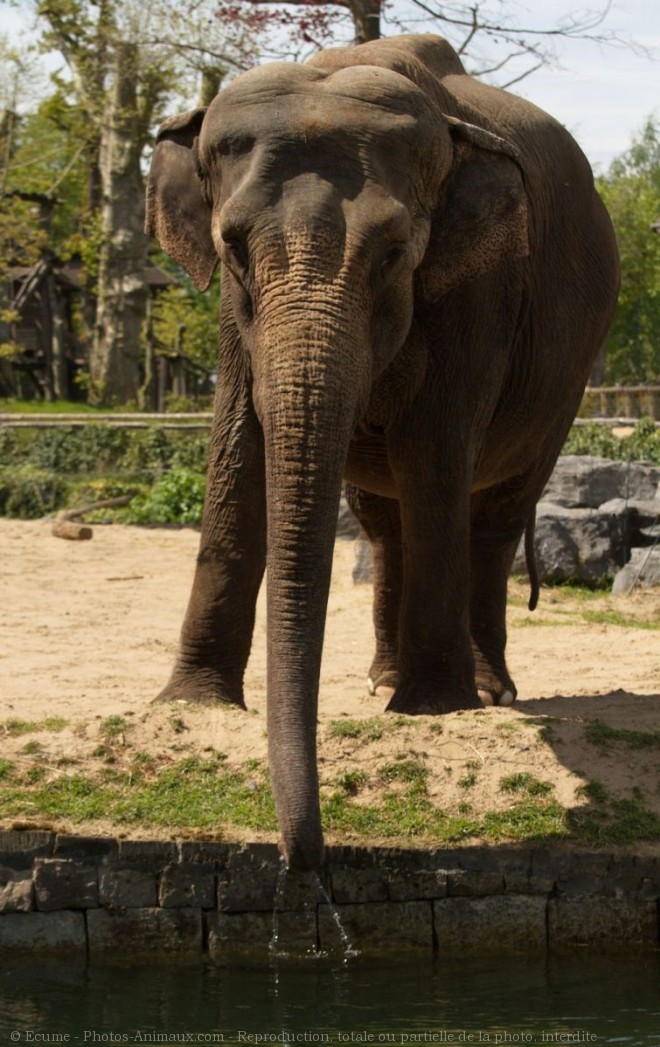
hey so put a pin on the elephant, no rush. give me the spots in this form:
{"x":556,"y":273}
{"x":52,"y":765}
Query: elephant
{"x":416,"y":275}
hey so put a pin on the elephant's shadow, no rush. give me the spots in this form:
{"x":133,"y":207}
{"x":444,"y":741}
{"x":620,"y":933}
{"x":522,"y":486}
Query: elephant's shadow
{"x":612,"y":743}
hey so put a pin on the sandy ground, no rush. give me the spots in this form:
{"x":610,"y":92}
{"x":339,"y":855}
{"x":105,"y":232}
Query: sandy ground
{"x":89,"y":630}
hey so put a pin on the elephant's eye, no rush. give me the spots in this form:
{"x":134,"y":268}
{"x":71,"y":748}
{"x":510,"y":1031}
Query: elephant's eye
{"x":235,"y":254}
{"x":391,"y":260}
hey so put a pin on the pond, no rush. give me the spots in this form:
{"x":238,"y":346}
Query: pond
{"x":581,"y":999}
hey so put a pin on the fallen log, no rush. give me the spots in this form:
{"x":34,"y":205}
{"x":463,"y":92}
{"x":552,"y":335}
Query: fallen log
{"x":65,"y":525}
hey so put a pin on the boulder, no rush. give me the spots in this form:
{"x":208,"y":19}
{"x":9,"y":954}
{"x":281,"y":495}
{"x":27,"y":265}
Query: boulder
{"x":588,"y":481}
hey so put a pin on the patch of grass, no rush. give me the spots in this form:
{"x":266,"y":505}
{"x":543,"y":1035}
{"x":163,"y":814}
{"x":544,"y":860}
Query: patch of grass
{"x":410,"y":771}
{"x":469,"y":779}
{"x":32,"y":748}
{"x":113,"y":727}
{"x":593,"y":790}
{"x":192,"y":793}
{"x":612,"y":820}
{"x":366,"y":730}
{"x":524,"y":782}
{"x":6,"y":769}
{"x":599,"y":733}
{"x":352,"y":781}
{"x":612,"y":617}
{"x":15,"y":726}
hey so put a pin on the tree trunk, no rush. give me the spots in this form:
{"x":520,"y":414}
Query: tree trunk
{"x":366,"y":18}
{"x":122,"y":288}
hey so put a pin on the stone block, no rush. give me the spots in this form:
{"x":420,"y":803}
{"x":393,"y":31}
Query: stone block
{"x":574,"y":872}
{"x":256,"y":936}
{"x":602,"y":922}
{"x":187,"y":885}
{"x":298,"y":890}
{"x":16,"y":890}
{"x":63,"y":884}
{"x":155,"y":854}
{"x":42,"y":933}
{"x":141,"y":932}
{"x":127,"y":888}
{"x":205,"y":852}
{"x":376,"y":928}
{"x":89,"y":849}
{"x":18,"y":848}
{"x":359,"y":885}
{"x":507,"y":923}
{"x":421,"y":883}
{"x":474,"y":883}
{"x":249,"y":880}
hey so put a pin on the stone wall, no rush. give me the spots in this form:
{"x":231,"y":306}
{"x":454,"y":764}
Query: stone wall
{"x":104,"y":898}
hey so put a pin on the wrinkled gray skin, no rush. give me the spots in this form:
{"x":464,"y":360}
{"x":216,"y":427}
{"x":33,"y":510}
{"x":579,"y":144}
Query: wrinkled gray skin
{"x":416,"y":276}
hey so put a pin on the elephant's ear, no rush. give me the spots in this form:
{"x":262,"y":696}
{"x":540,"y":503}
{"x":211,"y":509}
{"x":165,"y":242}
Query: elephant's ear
{"x":178,"y":214}
{"x":481,"y":215}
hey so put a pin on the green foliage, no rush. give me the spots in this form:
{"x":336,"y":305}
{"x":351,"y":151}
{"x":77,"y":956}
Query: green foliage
{"x":177,"y":497}
{"x":631,"y":191}
{"x":181,"y":314}
{"x":642,"y":445}
{"x":29,"y":493}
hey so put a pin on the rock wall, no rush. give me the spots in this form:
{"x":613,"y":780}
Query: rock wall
{"x":105,"y":897}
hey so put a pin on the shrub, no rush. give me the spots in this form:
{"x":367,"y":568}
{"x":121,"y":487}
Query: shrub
{"x":177,"y":497}
{"x":28,"y":493}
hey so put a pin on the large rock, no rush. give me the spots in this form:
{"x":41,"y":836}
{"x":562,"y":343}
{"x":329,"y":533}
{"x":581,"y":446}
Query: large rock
{"x":576,"y":545}
{"x":586,"y":481}
{"x":643,"y":569}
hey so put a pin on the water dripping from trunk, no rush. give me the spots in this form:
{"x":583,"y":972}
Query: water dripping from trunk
{"x":278,"y":947}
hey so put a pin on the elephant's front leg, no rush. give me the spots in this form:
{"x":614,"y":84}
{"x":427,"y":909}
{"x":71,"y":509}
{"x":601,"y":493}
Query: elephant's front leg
{"x":433,"y":471}
{"x":217,"y":631}
{"x":381,"y":521}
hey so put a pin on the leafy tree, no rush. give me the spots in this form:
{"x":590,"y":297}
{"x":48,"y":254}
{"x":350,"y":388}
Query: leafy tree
{"x":631,"y":191}
{"x":126,"y":57}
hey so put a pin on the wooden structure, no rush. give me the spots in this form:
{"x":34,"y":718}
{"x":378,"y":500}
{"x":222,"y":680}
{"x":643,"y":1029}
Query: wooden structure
{"x":44,"y":298}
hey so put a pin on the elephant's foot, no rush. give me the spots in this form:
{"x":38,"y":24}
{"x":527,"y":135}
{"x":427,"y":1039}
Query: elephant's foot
{"x":202,"y":687}
{"x":383,"y":684}
{"x":427,"y":698}
{"x":494,"y":686}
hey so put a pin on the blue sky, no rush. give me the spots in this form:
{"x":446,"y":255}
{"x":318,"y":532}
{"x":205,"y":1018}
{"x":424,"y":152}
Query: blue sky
{"x":602,"y":94}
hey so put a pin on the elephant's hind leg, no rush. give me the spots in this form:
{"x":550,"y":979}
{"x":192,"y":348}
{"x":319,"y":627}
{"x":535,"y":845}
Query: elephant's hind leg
{"x":381,"y":522}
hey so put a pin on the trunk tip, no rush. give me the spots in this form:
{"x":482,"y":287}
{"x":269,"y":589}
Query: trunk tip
{"x":303,"y":857}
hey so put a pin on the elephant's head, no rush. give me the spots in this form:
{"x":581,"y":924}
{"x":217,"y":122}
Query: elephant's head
{"x":318,"y":190}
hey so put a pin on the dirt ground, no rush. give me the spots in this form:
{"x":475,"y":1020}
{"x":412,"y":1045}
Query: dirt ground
{"x":89,"y":630}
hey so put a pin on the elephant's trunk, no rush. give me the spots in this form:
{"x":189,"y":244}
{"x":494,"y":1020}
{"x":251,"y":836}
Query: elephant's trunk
{"x":308,"y":413}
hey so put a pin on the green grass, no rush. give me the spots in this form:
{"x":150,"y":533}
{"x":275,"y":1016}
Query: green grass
{"x":601,"y":734}
{"x":203,"y":793}
{"x":113,"y":726}
{"x":12,"y":406}
{"x":14,"y":726}
{"x":366,"y":730}
{"x":523,"y":782}
{"x":611,"y":617}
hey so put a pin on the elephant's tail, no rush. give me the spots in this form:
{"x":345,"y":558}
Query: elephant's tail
{"x":530,"y":560}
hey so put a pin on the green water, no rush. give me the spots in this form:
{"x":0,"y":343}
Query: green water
{"x":584,"y":999}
